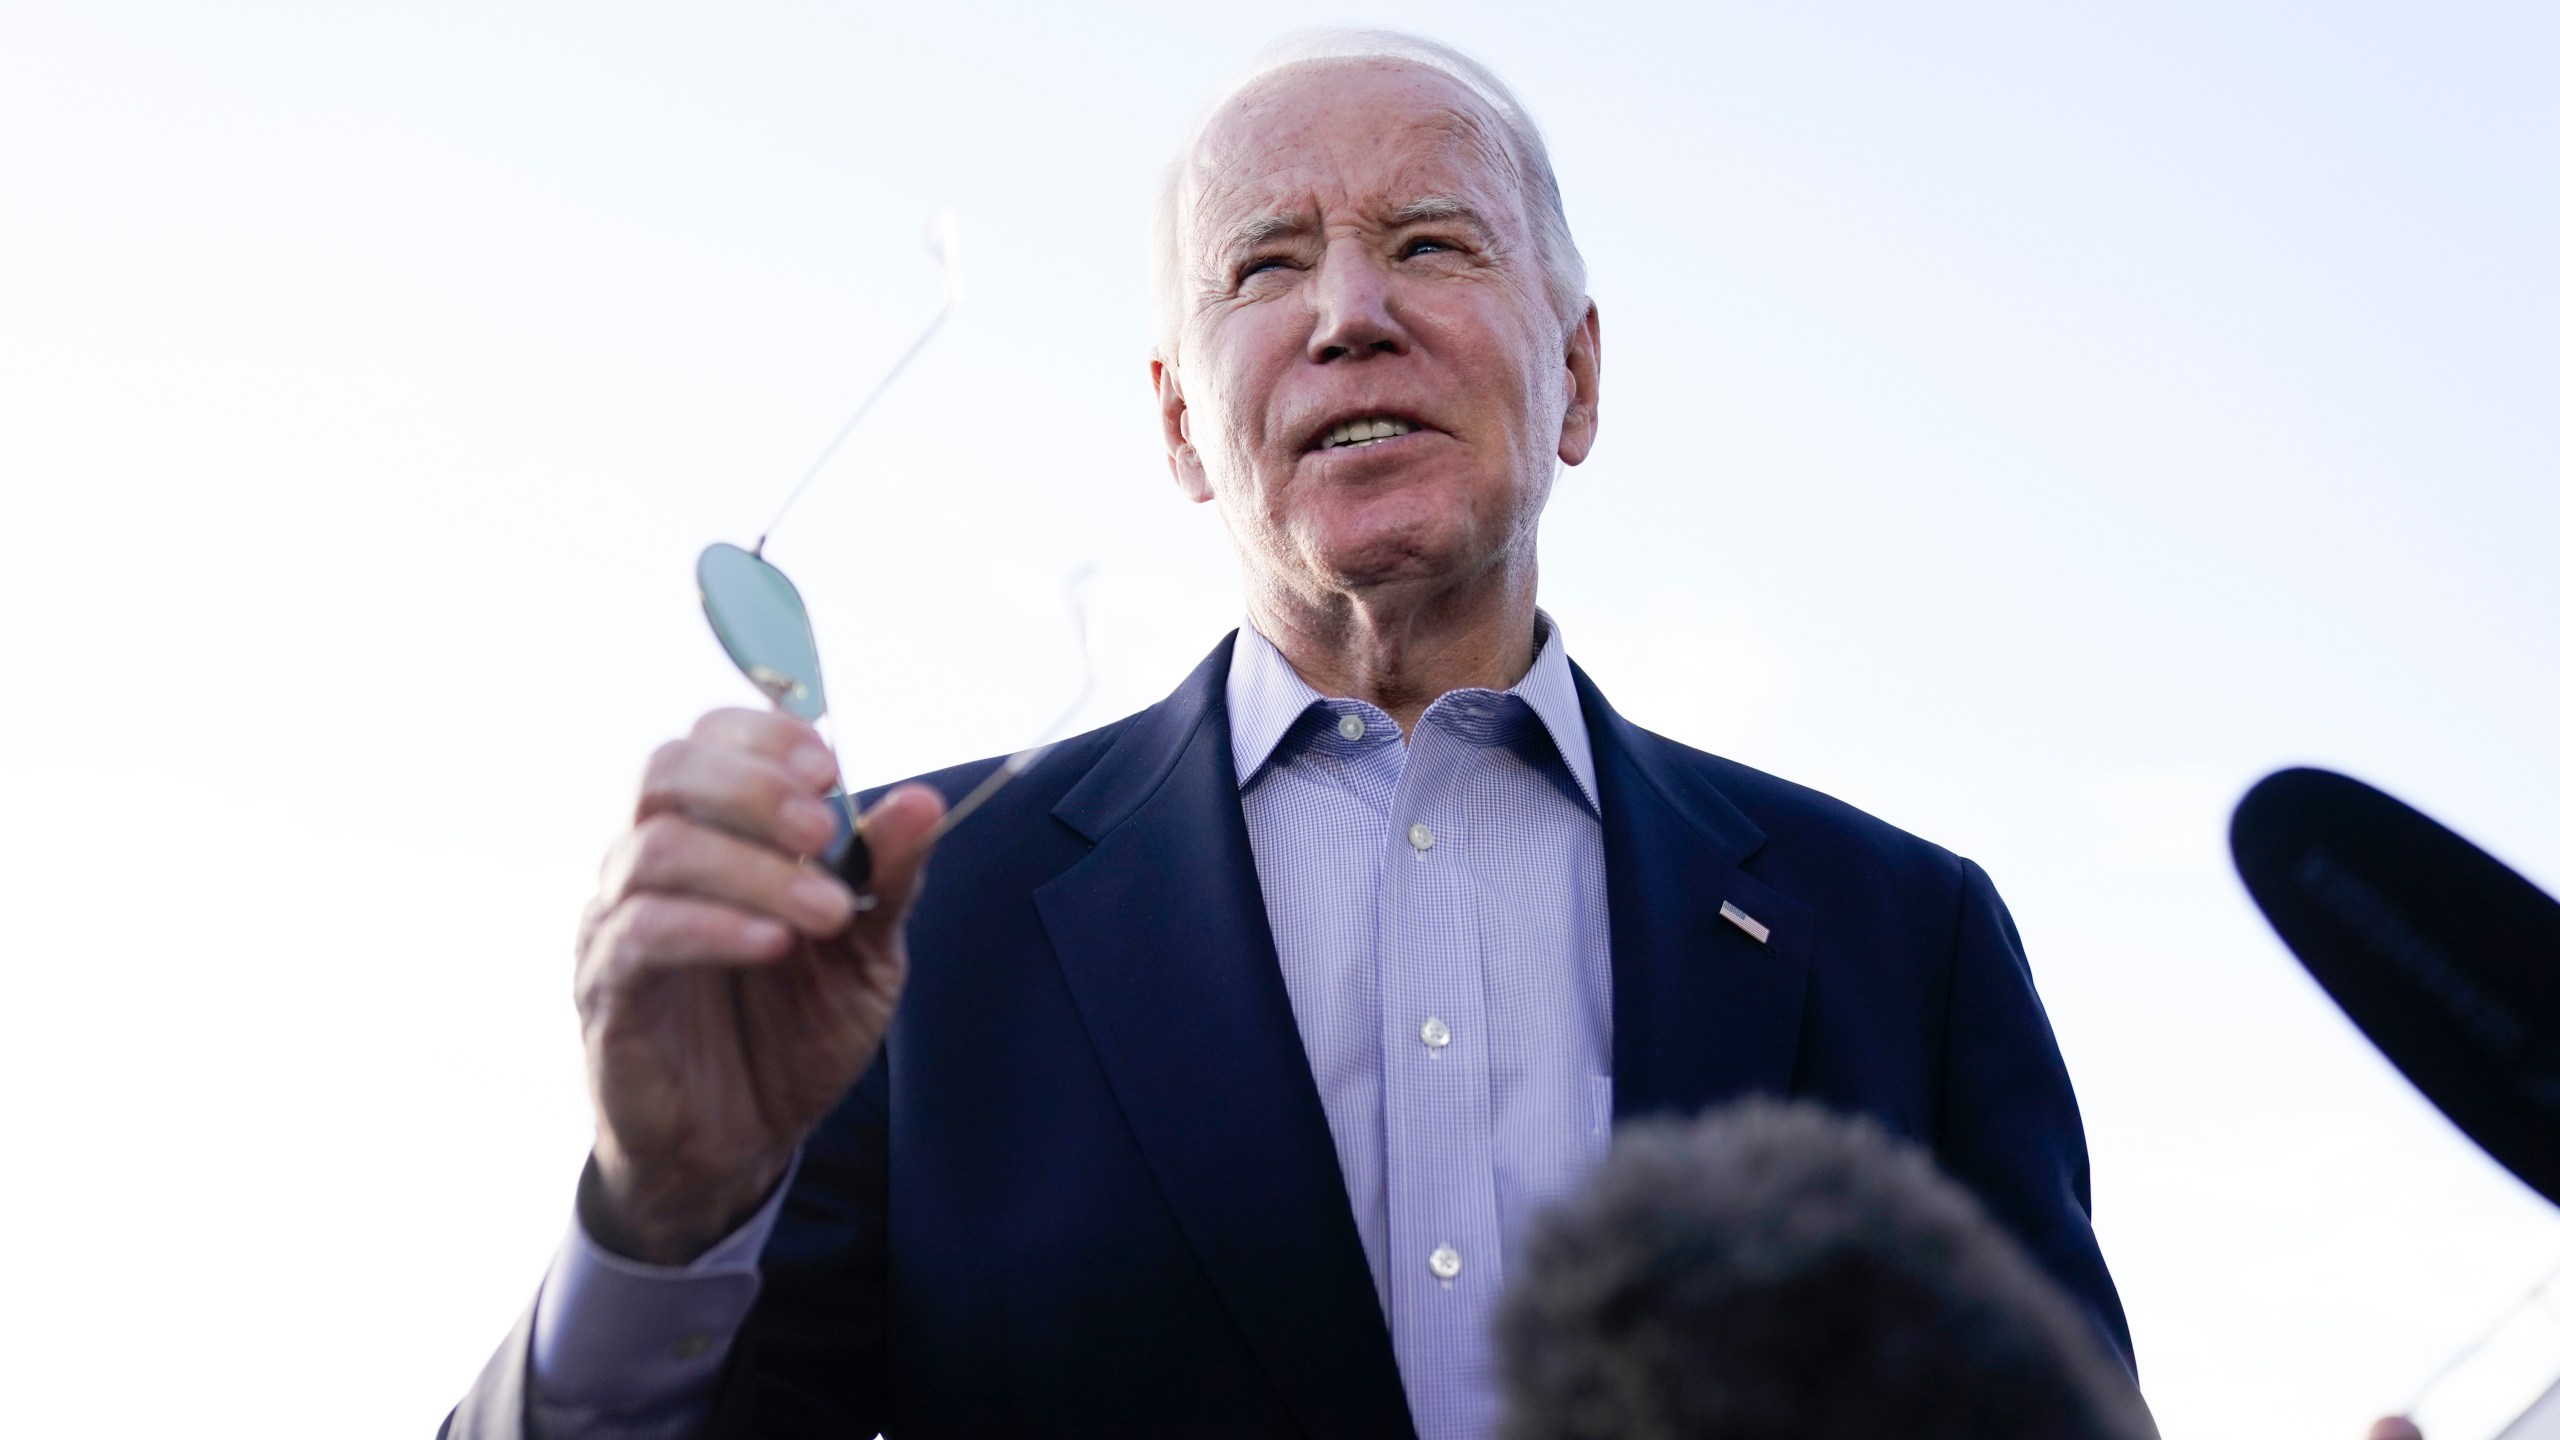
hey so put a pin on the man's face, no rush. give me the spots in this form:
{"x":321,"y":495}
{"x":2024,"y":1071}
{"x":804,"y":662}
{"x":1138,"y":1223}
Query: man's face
{"x":1372,"y":378}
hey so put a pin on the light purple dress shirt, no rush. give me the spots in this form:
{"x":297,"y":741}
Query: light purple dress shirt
{"x":1440,"y":909}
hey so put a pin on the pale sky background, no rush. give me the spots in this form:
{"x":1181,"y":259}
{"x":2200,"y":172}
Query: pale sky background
{"x":2028,"y":426}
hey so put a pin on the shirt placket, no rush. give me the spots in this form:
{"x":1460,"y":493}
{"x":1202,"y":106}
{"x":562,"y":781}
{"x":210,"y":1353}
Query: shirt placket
{"x":1446,"y":1257}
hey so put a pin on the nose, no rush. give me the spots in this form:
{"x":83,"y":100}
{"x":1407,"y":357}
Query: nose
{"x":1354,"y":313}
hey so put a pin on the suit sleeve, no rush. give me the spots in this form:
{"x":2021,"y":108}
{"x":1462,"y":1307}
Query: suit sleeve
{"x":808,"y":1360}
{"x":496,"y":1407}
{"x":811,"y":1360}
{"x":2008,"y":1124}
{"x":614,"y":1349}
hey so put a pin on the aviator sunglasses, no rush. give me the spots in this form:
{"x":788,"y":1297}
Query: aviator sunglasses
{"x":762,"y":622}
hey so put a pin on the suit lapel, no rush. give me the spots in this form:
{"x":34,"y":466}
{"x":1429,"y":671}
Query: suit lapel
{"x":1167,"y":949}
{"x":1703,"y":1011}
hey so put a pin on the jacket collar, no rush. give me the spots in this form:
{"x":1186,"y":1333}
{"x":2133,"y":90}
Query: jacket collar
{"x":1166,"y":948}
{"x":1702,"y":1009}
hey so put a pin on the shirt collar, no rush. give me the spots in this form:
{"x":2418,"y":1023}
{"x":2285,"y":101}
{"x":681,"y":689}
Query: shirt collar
{"x":1265,"y":697}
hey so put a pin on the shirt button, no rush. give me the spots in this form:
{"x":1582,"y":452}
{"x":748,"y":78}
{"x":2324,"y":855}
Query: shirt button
{"x":1445,"y":1264}
{"x":1350,"y":727}
{"x":1435,"y":1033}
{"x":1419,"y":837}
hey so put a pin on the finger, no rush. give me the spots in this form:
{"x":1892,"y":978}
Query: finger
{"x":746,"y":794}
{"x":896,"y":831}
{"x":671,"y":855}
{"x":782,"y":738}
{"x":649,"y":933}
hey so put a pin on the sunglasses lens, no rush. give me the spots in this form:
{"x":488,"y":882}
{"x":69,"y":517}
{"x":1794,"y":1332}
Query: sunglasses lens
{"x":756,"y":612}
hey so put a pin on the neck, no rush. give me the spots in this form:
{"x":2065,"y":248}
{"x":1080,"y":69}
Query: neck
{"x":1400,"y":652}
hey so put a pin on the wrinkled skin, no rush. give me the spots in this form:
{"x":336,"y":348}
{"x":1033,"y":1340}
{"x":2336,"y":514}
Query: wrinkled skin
{"x":729,"y":992}
{"x":1358,"y":246}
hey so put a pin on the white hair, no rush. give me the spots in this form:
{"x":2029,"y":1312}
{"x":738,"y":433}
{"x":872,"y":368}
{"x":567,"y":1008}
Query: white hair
{"x":1558,"y":258}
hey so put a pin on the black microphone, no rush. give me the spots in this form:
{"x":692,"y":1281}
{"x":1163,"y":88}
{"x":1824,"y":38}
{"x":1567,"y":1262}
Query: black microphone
{"x":2445,"y":958}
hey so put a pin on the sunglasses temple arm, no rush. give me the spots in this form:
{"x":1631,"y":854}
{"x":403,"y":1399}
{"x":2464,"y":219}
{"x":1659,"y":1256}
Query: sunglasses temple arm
{"x":1003,"y":775}
{"x":849,"y":855}
{"x":1021,"y":760}
{"x":948,"y":305}
{"x":849,"y":833}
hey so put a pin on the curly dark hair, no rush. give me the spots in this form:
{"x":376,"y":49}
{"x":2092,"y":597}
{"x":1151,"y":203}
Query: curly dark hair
{"x":1775,"y":1272}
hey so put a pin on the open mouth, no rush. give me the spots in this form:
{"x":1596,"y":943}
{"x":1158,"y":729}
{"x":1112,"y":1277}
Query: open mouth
{"x":1351,"y":434}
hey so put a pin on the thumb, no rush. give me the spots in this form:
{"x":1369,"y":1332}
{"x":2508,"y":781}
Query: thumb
{"x":896,"y":831}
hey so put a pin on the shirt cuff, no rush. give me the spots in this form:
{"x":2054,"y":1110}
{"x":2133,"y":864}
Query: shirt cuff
{"x":625,"y":1348}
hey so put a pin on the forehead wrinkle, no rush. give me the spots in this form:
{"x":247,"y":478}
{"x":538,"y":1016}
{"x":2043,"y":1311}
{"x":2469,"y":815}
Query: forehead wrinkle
{"x":1220,"y":170}
{"x":1289,"y":225}
{"x":1293,"y":218}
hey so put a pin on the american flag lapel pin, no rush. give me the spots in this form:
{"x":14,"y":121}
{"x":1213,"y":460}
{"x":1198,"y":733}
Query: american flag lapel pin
{"x":1744,"y":923}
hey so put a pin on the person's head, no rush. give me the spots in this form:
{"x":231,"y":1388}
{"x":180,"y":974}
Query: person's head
{"x":1772,"y":1272}
{"x":1364,"y":238}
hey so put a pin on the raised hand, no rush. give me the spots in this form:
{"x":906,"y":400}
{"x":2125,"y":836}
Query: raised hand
{"x":729,"y":990}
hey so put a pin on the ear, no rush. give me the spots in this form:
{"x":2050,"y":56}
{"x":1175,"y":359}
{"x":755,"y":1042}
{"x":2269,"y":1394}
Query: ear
{"x":1582,"y":388}
{"x":1175,"y":415}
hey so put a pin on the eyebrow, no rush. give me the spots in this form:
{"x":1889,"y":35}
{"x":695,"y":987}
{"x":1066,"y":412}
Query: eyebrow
{"x":1262,"y":230}
{"x":1433,"y":208}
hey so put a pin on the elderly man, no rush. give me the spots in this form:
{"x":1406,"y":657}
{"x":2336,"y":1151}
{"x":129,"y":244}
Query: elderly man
{"x":1210,"y":1085}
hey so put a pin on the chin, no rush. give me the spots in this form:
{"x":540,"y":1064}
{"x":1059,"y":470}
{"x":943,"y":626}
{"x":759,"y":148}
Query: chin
{"x":1362,"y":556}
{"x":1411,"y":533}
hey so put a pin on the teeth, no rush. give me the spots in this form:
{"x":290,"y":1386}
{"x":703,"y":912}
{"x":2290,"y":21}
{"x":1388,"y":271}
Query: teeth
{"x":1361,"y":432}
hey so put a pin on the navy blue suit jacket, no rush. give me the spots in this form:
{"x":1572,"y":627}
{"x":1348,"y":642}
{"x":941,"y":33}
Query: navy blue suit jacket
{"x":1089,"y":1189}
